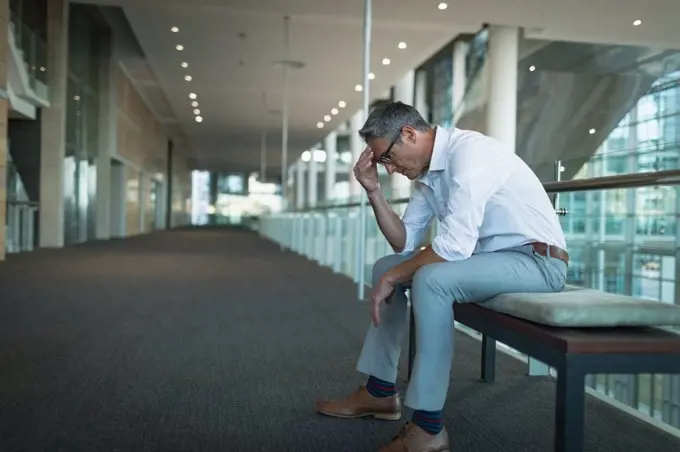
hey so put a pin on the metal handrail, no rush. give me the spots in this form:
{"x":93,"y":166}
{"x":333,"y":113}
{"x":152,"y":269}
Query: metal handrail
{"x":22,"y":203}
{"x":636,"y":180}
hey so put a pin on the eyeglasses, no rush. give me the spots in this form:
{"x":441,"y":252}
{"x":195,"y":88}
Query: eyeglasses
{"x":385,"y":157}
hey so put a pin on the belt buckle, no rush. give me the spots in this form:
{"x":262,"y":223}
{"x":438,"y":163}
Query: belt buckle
{"x":540,"y":247}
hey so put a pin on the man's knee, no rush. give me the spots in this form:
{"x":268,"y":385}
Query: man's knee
{"x":429,"y":281}
{"x":383,"y":264}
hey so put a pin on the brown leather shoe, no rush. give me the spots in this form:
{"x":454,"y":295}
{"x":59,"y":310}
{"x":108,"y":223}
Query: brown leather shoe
{"x":412,"y":438}
{"x":362,"y":404}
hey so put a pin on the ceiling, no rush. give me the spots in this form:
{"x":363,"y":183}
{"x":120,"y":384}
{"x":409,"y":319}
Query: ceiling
{"x":232,"y":47}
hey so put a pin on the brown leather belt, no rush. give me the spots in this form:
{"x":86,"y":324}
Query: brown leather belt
{"x":546,"y":250}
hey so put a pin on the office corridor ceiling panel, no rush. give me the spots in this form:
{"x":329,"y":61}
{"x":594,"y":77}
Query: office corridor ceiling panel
{"x":231,"y":50}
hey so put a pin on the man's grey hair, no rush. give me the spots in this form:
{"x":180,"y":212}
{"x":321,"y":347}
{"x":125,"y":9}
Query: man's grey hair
{"x":387,"y":119}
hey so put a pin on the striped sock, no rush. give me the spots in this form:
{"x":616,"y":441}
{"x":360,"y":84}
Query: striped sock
{"x":430,"y":421}
{"x":380,"y":388}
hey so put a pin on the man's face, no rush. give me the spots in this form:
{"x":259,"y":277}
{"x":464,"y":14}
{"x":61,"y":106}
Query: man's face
{"x":402,"y":156}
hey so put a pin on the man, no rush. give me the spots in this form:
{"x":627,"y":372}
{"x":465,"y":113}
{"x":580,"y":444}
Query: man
{"x":498,"y":233}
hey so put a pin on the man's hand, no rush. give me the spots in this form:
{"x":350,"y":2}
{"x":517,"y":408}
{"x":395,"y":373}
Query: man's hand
{"x":380,"y":294}
{"x":400,"y":274}
{"x":366,"y":171}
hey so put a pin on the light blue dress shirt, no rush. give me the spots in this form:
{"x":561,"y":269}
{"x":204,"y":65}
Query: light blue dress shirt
{"x":484,"y":196}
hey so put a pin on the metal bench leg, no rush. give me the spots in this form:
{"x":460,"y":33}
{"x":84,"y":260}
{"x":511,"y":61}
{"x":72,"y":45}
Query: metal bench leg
{"x":569,"y":410}
{"x":488,"y":359}
{"x":411,"y":342}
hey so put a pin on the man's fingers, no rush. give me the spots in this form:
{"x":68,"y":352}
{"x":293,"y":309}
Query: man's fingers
{"x":365,"y":159}
{"x":362,"y":166}
{"x":367,"y":153}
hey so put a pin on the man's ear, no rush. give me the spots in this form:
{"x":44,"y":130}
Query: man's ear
{"x":409,"y":134}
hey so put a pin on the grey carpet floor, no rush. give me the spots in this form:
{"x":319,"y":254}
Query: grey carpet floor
{"x":218,"y":341}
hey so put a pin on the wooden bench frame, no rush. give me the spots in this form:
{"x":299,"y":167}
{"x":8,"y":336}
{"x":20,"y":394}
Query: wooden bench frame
{"x":573,"y":352}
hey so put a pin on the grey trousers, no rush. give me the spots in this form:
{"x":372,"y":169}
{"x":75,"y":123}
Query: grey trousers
{"x":434,"y":289}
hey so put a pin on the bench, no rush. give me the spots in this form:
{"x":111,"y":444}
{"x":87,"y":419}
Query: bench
{"x":577,"y":332}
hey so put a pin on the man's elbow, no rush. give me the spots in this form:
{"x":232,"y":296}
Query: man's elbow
{"x":398,"y":249}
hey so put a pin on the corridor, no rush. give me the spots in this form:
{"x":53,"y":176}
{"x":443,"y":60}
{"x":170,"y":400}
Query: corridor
{"x":216,"y":340}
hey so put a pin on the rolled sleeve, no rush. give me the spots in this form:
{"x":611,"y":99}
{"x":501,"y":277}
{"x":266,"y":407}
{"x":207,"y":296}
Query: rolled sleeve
{"x":416,"y":220}
{"x":459,"y":231}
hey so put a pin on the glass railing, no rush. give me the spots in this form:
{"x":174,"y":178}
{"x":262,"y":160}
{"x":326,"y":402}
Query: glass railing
{"x":622,"y":239}
{"x":33,"y":49}
{"x":20,"y":214}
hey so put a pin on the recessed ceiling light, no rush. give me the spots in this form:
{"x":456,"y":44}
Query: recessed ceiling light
{"x":442,"y":6}
{"x":342,"y":104}
{"x":187,"y":78}
{"x":591,"y":131}
{"x":194,"y":103}
{"x":174,"y":29}
{"x":198,"y":119}
{"x":532,"y":68}
{"x":358,"y":88}
{"x":319,"y":125}
{"x":326,"y":118}
{"x":334,"y":111}
{"x":192,"y":96}
{"x":637,"y":23}
{"x":371,"y":75}
{"x":386,"y":61}
{"x":197,"y":111}
{"x":185,"y":64}
{"x":402,"y":45}
{"x":179,"y":47}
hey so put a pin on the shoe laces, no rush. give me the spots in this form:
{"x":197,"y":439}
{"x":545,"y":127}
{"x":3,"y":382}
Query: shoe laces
{"x":406,"y":431}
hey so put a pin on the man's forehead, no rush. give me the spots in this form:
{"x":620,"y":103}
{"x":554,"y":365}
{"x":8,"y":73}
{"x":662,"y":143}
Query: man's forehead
{"x":378,"y":145}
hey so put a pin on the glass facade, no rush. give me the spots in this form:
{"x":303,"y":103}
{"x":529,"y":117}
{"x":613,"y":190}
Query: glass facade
{"x":28,"y":22}
{"x":440,"y":76}
{"x":625,"y":241}
{"x":20,"y":213}
{"x":442,"y":86}
{"x":85,"y":47}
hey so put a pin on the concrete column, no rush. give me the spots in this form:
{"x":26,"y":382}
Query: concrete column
{"x":313,"y":179}
{"x":288,"y":188}
{"x":331,"y":147}
{"x":4,"y":58}
{"x":357,"y":146}
{"x":107,"y":139}
{"x":404,"y":91}
{"x":459,"y":81}
{"x":118,"y":207}
{"x":300,"y":184}
{"x":502,"y":67}
{"x":421,"y":95}
{"x":53,"y":128}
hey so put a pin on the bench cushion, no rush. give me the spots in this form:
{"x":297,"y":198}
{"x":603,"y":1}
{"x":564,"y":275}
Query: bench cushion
{"x":580,"y":307}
